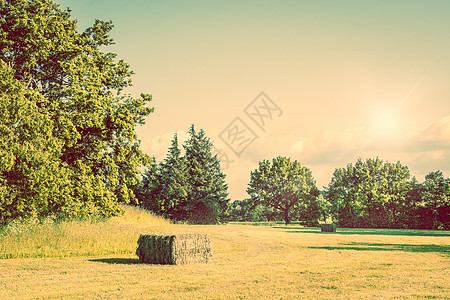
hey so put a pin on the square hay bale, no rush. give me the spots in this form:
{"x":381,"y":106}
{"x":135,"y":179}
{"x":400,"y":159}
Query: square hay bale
{"x":328,"y":227}
{"x":174,"y":249}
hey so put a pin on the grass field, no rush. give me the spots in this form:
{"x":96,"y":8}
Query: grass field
{"x":96,"y":260}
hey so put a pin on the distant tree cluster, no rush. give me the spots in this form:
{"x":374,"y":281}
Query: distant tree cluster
{"x":383,"y":195}
{"x":67,"y":132}
{"x":188,"y":188}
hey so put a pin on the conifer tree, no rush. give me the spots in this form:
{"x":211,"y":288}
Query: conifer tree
{"x":207,"y":190}
{"x":173,"y":195}
{"x":148,"y":191}
{"x":188,"y":188}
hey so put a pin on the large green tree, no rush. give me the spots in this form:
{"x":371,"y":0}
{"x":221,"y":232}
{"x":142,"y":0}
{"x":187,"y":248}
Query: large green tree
{"x":32,"y":180}
{"x":369,"y":194}
{"x":285,"y":186}
{"x":75,"y":91}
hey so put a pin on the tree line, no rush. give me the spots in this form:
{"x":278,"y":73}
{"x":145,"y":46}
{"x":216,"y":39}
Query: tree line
{"x":367,"y":194}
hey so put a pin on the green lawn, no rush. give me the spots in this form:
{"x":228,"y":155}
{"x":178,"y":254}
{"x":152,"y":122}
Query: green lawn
{"x":96,"y":260}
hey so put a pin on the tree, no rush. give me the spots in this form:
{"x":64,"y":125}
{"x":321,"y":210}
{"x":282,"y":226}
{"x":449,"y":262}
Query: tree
{"x":410,"y":213}
{"x":207,"y":190}
{"x":188,"y":188}
{"x":368,"y":194}
{"x":174,"y":185}
{"x":436,"y":199}
{"x":77,"y":91}
{"x":249,"y":211}
{"x":324,"y":207}
{"x":148,"y":189}
{"x":283,"y":185}
{"x":32,"y":180}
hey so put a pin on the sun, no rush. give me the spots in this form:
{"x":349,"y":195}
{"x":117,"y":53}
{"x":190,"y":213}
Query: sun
{"x":384,"y":123}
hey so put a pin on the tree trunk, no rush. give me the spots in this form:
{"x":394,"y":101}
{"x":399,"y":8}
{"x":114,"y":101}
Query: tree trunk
{"x":286,"y":216}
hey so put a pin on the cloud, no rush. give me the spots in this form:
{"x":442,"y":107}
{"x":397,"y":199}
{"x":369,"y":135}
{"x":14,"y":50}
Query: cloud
{"x":434,"y":136}
{"x":423,"y":148}
{"x":159,"y":145}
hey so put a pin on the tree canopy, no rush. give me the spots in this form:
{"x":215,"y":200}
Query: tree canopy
{"x":68,"y":141}
{"x":435,"y":199}
{"x":283,"y":185}
{"x":379,"y":194}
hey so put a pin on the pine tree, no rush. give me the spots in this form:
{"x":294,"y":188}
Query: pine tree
{"x":188,"y":188}
{"x":148,"y":191}
{"x":173,"y":196}
{"x":207,"y":190}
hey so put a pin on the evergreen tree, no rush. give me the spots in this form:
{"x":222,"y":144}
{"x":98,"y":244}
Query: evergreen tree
{"x":188,"y":188}
{"x":207,"y":191}
{"x":174,"y":186}
{"x":148,"y":190}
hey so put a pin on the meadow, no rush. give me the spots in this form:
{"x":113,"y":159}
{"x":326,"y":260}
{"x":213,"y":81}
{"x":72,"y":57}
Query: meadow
{"x":96,"y":259}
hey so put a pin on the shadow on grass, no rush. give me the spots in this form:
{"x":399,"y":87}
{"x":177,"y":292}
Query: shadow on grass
{"x":119,"y":261}
{"x":389,"y":247}
{"x":370,"y":231}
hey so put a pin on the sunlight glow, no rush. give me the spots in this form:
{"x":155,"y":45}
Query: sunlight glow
{"x":385,"y":123}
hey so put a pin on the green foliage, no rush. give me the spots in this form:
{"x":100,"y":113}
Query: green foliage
{"x":173,"y":182}
{"x":368,"y":194}
{"x":207,"y":190}
{"x":374,"y":194}
{"x":147,"y":191}
{"x":188,"y":188}
{"x":324,"y":207}
{"x":286,"y":187}
{"x":32,"y":181}
{"x":68,"y":142}
{"x":436,"y":200}
{"x":249,"y":211}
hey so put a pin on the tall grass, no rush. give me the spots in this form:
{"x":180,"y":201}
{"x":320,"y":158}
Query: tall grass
{"x":49,"y":238}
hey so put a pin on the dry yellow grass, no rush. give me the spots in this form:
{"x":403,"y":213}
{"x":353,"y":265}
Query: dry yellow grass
{"x":251,"y":262}
{"x":78,"y":237}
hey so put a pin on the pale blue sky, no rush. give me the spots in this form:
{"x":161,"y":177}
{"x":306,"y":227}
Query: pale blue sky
{"x":352,"y":78}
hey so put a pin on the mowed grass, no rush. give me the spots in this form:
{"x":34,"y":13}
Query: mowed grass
{"x":263,"y":262}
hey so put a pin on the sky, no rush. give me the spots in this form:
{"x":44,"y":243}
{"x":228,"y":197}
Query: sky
{"x":321,"y":82}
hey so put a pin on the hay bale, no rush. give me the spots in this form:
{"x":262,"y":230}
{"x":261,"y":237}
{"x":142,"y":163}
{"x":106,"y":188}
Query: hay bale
{"x":174,"y":249}
{"x":328,"y":227}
